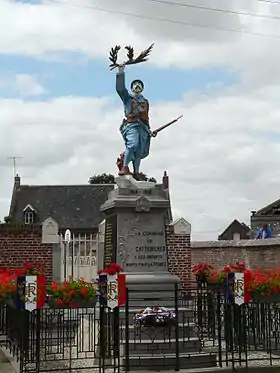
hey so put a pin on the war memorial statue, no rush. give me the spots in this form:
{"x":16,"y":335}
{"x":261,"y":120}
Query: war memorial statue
{"x":135,"y":128}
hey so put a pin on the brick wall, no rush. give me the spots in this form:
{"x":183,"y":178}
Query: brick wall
{"x":254,"y":253}
{"x":21,"y":244}
{"x":179,"y":257}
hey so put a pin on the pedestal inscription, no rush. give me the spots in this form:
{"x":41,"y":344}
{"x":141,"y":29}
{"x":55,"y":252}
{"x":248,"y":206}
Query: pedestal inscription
{"x":141,"y":242}
{"x":110,"y":240}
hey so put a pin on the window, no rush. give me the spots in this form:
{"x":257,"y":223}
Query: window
{"x":28,"y":213}
{"x":236,"y":236}
{"x":29,"y":217}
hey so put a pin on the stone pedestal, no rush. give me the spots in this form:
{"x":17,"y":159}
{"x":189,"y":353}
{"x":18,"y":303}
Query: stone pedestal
{"x":135,"y":238}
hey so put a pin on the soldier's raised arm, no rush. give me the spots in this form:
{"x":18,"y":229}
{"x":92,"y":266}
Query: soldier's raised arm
{"x":120,"y":84}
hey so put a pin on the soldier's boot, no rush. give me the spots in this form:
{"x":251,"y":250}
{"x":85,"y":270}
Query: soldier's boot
{"x":137,"y":176}
{"x":124,"y":171}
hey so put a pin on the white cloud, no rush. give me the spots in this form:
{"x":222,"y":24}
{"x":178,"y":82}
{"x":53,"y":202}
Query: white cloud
{"x":27,"y":85}
{"x":222,"y":158}
{"x":52,"y":28}
{"x":23,"y":84}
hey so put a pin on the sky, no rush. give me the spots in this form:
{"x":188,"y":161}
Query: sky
{"x":218,"y":67}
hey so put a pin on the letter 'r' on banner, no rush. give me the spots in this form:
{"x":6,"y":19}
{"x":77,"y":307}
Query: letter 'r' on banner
{"x":112,"y":293}
{"x":239,"y":288}
{"x":112,"y":290}
{"x":31,"y":292}
{"x":235,"y":288}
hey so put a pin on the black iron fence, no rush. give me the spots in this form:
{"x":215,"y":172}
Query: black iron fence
{"x":205,"y":332}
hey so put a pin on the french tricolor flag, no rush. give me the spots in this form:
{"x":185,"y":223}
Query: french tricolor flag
{"x":112,"y":290}
{"x":31,"y":292}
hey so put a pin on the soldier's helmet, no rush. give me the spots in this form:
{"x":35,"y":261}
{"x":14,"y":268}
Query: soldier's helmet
{"x":137,"y":86}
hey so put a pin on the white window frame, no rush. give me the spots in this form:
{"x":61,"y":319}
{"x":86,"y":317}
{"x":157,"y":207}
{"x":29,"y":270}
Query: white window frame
{"x":29,"y":217}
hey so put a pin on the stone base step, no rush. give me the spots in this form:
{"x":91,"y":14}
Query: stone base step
{"x":161,"y":347}
{"x":163,"y":332}
{"x":168,"y":362}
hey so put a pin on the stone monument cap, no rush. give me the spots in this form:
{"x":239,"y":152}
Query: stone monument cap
{"x":50,"y":231}
{"x":128,"y":182}
{"x":181,"y":226}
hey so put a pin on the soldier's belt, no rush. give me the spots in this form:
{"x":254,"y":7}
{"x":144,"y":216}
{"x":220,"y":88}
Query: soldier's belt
{"x":134,"y":118}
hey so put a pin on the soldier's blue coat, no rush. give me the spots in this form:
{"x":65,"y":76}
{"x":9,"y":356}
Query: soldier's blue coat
{"x":136,"y":134}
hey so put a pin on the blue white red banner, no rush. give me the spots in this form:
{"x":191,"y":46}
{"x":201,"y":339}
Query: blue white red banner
{"x":112,"y":290}
{"x":235,"y":288}
{"x":31,"y":292}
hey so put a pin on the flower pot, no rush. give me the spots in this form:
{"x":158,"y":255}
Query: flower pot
{"x":77,"y":303}
{"x":273,"y":298}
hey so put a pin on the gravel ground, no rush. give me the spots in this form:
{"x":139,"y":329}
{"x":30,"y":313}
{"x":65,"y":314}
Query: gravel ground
{"x":59,"y":363}
{"x":5,"y":366}
{"x":254,"y":359}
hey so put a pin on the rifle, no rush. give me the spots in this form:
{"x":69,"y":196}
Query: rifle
{"x":155,"y":132}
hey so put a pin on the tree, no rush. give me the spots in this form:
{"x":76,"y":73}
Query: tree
{"x":110,"y":179}
{"x":146,"y":178}
{"x":102,"y":179}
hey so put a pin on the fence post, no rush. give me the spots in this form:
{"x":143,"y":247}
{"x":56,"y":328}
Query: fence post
{"x":200,"y":304}
{"x":38,"y":338}
{"x":116,"y":336}
{"x":102,"y":338}
{"x":219,"y":320}
{"x":127,"y":331}
{"x":177,"y":367}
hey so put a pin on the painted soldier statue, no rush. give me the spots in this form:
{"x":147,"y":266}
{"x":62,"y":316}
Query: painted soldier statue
{"x":135,"y":128}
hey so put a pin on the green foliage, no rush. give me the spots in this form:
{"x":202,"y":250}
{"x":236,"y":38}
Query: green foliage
{"x":9,"y":220}
{"x":110,"y":179}
{"x":102,"y":179}
{"x":146,"y":178}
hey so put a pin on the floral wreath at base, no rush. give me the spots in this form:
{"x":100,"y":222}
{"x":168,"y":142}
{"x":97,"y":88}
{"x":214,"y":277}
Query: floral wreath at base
{"x":155,"y":316}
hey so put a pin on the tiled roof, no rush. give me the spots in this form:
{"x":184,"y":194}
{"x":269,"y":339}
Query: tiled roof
{"x":72,"y":206}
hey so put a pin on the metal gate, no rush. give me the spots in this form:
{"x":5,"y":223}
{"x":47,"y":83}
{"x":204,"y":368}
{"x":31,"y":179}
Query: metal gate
{"x":78,"y":256}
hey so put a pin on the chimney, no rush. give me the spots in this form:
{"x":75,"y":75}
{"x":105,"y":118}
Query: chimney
{"x":165,"y":180}
{"x":17,"y":181}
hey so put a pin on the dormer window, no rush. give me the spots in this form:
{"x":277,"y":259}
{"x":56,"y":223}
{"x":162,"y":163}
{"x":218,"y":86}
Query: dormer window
{"x":29,"y":217}
{"x":29,"y":214}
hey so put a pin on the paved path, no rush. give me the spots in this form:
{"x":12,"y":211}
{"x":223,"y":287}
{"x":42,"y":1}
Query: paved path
{"x":5,"y":366}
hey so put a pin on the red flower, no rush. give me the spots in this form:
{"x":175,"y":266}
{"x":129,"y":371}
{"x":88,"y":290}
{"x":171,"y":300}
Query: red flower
{"x":59,"y":302}
{"x":83,"y":292}
{"x":111,"y":270}
{"x":203,"y":270}
{"x":227,"y":269}
{"x":20,"y":272}
{"x":54,"y":286}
